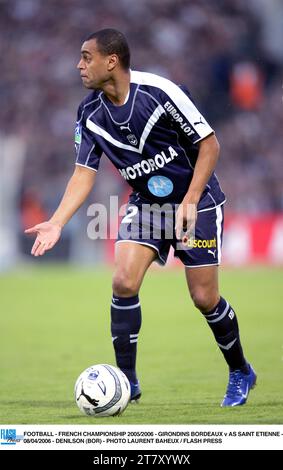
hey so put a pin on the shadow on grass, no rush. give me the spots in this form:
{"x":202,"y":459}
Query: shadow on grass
{"x":39,"y":403}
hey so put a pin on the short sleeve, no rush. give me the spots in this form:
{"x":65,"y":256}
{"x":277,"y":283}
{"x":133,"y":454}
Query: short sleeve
{"x":87,"y":149}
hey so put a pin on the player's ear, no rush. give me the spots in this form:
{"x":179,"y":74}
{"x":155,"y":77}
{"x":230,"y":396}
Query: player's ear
{"x":112,"y":62}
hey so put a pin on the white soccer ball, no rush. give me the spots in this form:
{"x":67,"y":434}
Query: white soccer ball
{"x":102,"y":390}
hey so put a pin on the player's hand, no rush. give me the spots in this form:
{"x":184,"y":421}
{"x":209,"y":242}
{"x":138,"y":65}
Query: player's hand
{"x":48,"y":233}
{"x":186,"y":218}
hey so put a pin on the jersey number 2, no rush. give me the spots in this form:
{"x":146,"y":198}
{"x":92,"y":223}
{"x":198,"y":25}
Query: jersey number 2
{"x":128,"y":219}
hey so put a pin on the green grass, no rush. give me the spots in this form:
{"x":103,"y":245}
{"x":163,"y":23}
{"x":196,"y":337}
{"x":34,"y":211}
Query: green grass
{"x":55,"y":323}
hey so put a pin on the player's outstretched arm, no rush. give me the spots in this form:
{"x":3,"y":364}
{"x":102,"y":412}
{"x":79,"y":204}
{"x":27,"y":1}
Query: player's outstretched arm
{"x":77,"y":190}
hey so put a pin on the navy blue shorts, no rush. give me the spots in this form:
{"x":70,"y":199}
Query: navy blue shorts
{"x":154,"y":227}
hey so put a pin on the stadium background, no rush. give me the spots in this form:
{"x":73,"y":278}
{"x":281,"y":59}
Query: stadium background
{"x":55,"y":309}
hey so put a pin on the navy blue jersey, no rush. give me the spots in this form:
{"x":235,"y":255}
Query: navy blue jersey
{"x":152,"y":139}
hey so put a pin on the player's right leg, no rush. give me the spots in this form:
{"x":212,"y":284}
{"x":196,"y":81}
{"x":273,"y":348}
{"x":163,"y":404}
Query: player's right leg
{"x":131,"y":263}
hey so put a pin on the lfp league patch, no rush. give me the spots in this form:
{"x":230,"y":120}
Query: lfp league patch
{"x":78,"y":136}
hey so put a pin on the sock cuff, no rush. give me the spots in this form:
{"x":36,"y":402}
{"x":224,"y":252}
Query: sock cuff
{"x":125,"y":301}
{"x":219,"y":308}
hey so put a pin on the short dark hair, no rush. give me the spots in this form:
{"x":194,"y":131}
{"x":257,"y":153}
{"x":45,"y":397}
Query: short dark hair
{"x":112,"y":41}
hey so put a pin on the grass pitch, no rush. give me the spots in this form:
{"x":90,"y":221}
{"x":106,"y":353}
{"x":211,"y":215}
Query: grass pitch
{"x":55,"y":322}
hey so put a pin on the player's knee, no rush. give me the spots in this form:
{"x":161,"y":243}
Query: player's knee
{"x":124,"y":285}
{"x":204,"y":300}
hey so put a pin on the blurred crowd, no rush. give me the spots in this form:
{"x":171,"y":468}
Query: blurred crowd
{"x":226,"y":52}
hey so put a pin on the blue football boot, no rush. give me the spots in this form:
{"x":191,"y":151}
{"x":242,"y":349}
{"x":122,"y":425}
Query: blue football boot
{"x":135,"y":392}
{"x":238,"y":387}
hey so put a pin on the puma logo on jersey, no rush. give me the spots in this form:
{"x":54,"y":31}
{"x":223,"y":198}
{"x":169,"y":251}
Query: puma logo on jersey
{"x":199,"y":122}
{"x":126,"y":127}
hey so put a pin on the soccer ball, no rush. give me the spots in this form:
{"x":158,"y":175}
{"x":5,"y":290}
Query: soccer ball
{"x":102,"y":390}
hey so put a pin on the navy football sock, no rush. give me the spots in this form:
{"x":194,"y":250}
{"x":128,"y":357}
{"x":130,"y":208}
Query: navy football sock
{"x":125,"y":326}
{"x":224,"y":325}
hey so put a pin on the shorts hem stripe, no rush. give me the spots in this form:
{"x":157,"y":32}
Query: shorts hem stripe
{"x":201,"y":265}
{"x":146,"y":244}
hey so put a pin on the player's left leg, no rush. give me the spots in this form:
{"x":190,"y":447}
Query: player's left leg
{"x":221,"y":318}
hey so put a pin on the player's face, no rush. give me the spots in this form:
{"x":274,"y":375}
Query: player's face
{"x":94,"y":67}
